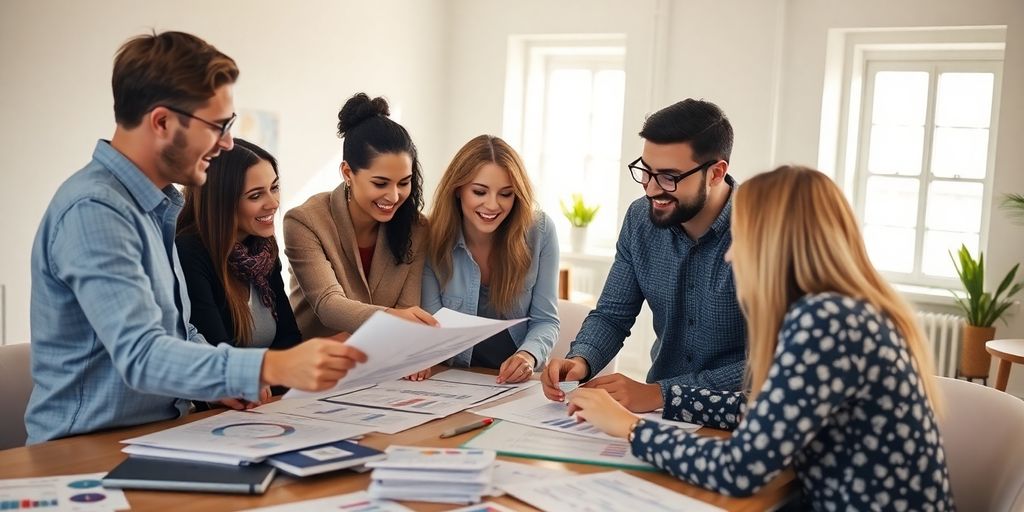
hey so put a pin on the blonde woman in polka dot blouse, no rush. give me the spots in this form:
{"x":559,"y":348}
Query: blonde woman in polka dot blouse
{"x":841,"y":386}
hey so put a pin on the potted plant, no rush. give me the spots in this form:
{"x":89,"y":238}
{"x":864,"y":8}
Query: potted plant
{"x":579,"y":215}
{"x":981,"y":308}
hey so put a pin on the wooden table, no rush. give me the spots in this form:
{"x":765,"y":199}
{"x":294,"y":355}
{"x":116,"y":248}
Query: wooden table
{"x":100,"y":451}
{"x":1008,"y":352}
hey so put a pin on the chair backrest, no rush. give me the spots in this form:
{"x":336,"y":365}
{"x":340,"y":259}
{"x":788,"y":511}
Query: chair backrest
{"x":983,"y":434}
{"x":15,"y":388}
{"x":570,"y":318}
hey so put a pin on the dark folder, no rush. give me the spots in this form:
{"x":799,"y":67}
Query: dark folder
{"x":173,"y":475}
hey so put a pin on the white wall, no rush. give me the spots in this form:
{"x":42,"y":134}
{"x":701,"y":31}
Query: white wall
{"x":300,"y":60}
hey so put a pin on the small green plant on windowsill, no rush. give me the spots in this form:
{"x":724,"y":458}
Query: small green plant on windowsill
{"x":578,"y":212}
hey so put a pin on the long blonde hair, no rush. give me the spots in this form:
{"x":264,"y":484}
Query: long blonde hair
{"x":510,"y":258}
{"x":795,"y":234}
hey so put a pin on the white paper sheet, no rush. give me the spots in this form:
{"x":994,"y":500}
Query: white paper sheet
{"x":517,"y":440}
{"x":432,"y":396}
{"x":164,"y":453}
{"x":384,"y":421}
{"x":613,"y":491}
{"x":250,"y":435}
{"x":66,"y":493}
{"x":508,"y":473}
{"x":428,"y":458}
{"x":487,"y":506}
{"x":395,"y":347}
{"x":354,"y":502}
{"x":467,"y":377}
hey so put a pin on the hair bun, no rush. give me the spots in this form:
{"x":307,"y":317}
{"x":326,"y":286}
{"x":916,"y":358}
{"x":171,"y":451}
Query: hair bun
{"x":359,"y":108}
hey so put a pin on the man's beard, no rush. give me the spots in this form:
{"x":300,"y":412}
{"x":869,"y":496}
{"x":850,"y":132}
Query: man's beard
{"x":175,"y":162}
{"x":682,"y":212}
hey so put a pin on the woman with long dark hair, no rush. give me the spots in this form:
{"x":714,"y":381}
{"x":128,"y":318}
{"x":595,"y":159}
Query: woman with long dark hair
{"x":358,"y":249}
{"x":228,"y":252}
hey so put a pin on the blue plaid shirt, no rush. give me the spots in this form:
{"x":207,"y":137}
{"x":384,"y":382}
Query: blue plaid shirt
{"x":701,"y":336}
{"x":111,"y":341}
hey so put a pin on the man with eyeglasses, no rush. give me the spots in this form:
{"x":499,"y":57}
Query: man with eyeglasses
{"x":112,"y":345}
{"x":670,"y":253}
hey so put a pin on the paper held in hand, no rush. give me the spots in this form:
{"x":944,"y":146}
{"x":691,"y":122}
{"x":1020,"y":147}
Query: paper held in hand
{"x":395,"y":347}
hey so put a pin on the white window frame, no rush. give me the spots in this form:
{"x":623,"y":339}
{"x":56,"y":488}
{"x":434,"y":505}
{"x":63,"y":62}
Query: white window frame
{"x":533,"y":58}
{"x":840,"y":151}
{"x":934,"y":63}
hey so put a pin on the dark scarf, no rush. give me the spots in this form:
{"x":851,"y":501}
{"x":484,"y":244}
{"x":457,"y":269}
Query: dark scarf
{"x":252,"y":261}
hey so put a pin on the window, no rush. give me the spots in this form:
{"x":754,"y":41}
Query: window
{"x":568,"y":126}
{"x":924,"y":165}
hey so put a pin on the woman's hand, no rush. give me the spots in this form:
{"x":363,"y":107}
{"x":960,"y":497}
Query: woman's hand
{"x":597,"y":407}
{"x":420,"y":375}
{"x":413,"y":314}
{"x":517,"y":368}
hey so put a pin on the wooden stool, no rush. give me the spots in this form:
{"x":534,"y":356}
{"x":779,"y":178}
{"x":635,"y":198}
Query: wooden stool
{"x":1008,"y":352}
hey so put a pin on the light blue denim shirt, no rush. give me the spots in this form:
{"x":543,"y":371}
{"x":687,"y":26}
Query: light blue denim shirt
{"x":111,"y":341}
{"x":538,"y":300}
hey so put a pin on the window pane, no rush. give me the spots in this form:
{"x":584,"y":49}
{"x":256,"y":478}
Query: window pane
{"x":901,"y":98}
{"x":891,"y":201}
{"x":896,"y":150}
{"x":567,"y":111}
{"x":964,"y":100}
{"x":606,"y":126}
{"x":891,"y":249}
{"x":954,"y":206}
{"x":935,"y":260}
{"x":960,"y":152}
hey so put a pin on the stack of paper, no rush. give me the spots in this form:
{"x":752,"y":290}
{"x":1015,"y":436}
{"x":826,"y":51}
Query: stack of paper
{"x":440,"y":475}
{"x":235,"y":437}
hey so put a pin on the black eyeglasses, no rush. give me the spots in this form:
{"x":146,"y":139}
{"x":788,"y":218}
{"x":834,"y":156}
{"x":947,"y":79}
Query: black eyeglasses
{"x":223,"y":128}
{"x":667,"y":181}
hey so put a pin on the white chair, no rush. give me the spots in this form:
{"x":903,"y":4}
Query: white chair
{"x":15,"y":388}
{"x":983,"y":434}
{"x":570,"y":319}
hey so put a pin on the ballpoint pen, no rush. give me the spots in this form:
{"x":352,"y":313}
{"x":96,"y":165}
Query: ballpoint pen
{"x":466,"y":428}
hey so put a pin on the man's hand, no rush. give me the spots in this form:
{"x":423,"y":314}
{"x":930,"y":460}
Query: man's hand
{"x":239,"y":404}
{"x":517,"y":368}
{"x":633,"y":395}
{"x":313,"y":365}
{"x":559,"y":370}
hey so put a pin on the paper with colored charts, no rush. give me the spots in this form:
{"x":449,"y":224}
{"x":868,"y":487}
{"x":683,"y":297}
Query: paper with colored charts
{"x":250,"y":435}
{"x":385,"y":421}
{"x":534,"y":409}
{"x":515,"y":440}
{"x":613,"y":491}
{"x":444,"y":459}
{"x":395,"y":347}
{"x":353,"y":502}
{"x":67,"y":493}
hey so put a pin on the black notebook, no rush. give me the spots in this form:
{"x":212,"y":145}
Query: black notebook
{"x":174,"y":475}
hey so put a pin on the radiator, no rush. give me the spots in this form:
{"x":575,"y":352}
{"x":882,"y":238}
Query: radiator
{"x":943,"y":333}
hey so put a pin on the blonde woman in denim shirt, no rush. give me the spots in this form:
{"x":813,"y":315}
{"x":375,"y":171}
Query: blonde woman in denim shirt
{"x":491,"y":254}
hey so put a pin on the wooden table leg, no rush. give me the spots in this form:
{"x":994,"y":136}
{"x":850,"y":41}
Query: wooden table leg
{"x":1004,"y":374}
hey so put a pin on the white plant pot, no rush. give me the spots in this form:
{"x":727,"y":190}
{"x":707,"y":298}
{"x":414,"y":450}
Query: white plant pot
{"x":579,"y":239}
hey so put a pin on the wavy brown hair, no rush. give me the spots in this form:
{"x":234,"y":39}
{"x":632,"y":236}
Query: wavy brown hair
{"x":510,"y":257}
{"x":210,"y":212}
{"x":794,"y":234}
{"x":169,"y":68}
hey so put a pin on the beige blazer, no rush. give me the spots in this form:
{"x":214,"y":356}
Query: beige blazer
{"x":329,"y":291}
